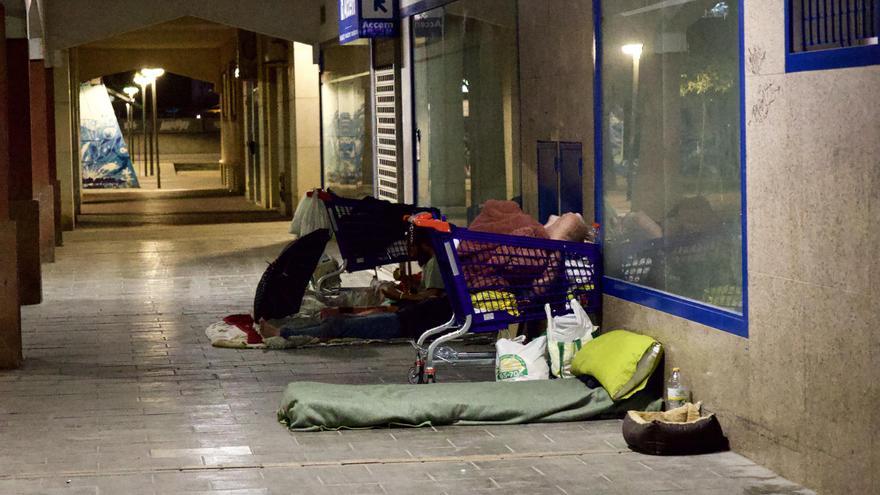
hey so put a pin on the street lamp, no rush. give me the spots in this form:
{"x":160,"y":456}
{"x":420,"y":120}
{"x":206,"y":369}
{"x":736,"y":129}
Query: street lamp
{"x":149,"y":76}
{"x":154,"y":73}
{"x":633,"y":49}
{"x":129,"y":114}
{"x":143,"y":81}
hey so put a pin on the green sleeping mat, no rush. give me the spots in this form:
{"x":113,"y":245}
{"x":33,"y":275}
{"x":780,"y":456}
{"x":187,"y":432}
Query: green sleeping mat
{"x":311,"y":406}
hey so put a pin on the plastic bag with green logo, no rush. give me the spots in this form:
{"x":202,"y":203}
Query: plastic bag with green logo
{"x":565,"y":336}
{"x":515,"y":361}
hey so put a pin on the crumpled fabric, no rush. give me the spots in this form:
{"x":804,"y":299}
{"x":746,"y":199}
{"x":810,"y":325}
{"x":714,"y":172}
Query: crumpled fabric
{"x":230,"y":336}
{"x":506,"y":217}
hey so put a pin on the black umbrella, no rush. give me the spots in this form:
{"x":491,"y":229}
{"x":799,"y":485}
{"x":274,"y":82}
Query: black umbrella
{"x":281,"y":289}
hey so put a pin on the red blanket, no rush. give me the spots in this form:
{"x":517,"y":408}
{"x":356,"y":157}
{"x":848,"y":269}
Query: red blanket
{"x":506,"y":217}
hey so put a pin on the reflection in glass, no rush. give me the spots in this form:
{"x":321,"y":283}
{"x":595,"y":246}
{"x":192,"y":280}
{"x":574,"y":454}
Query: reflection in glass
{"x":466,"y":97}
{"x":671,"y":161}
{"x":347,"y":120}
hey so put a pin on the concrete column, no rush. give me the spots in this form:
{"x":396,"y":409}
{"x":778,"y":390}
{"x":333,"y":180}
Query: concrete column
{"x":232,"y":135}
{"x":65,"y":153}
{"x":262,"y":173}
{"x":273,"y":133}
{"x":25,"y":210}
{"x":10,"y":312}
{"x":43,"y":155}
{"x":53,"y":161}
{"x":307,"y":119}
{"x":73,"y":86}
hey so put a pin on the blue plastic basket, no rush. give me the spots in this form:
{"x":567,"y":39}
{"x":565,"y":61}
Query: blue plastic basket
{"x":499,"y":280}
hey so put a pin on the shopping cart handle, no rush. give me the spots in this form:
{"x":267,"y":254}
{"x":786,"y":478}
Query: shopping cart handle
{"x":426,"y":220}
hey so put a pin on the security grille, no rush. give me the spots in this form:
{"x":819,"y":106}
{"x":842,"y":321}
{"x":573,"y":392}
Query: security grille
{"x":387,"y":183}
{"x":828,"y":24}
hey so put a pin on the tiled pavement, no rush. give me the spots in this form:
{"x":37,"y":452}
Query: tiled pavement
{"x":121,"y":393}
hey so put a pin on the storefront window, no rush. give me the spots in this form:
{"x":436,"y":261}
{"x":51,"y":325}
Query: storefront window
{"x":347,"y":120}
{"x":671,"y":166}
{"x":466,"y":100}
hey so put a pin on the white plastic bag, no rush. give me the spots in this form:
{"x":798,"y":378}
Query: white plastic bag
{"x":565,"y":336}
{"x":515,"y":361}
{"x":310,"y":215}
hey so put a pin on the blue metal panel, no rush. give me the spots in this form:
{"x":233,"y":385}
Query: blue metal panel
{"x":548,"y":180}
{"x":699,"y":312}
{"x":571,"y":182}
{"x":560,"y":178}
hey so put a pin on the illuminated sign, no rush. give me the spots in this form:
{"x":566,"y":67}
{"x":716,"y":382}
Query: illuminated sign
{"x":367,"y":19}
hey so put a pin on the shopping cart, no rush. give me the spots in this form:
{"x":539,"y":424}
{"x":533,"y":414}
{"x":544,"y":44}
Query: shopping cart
{"x":369,"y":232}
{"x":493,"y":281}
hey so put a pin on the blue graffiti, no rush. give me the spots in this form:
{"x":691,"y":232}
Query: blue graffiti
{"x":106,"y":162}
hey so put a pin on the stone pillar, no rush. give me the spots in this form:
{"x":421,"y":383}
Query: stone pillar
{"x":53,"y":159}
{"x":43,"y":154}
{"x":307,"y":113}
{"x":25,"y":210}
{"x":65,"y":151}
{"x":10,"y":312}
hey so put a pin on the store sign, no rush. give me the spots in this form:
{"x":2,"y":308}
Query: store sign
{"x":367,"y":19}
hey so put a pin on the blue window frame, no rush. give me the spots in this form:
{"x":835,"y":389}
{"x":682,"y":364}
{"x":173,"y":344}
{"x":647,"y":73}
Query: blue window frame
{"x":732,"y":321}
{"x":831,"y":34}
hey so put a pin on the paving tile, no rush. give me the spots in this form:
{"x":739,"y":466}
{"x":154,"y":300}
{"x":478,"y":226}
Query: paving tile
{"x":121,"y":393}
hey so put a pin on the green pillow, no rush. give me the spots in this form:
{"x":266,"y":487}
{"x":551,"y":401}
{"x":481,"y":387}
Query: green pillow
{"x":621,"y":360}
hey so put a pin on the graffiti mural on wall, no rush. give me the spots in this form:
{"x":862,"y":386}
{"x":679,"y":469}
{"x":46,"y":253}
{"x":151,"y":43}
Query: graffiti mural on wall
{"x":106,"y":162}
